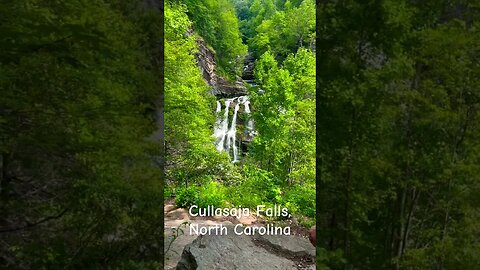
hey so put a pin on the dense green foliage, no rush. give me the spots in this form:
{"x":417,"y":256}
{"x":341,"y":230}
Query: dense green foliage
{"x":216,"y":22}
{"x":188,"y":114}
{"x":398,"y":135}
{"x":284,"y":102}
{"x":80,"y":187}
{"x":397,"y":146}
{"x":277,"y":26}
{"x":190,"y":153}
{"x":285,"y":120}
{"x":285,"y":31}
{"x":279,"y":167}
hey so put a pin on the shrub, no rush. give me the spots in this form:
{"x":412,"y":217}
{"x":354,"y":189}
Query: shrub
{"x":259,"y":187}
{"x":212,"y":193}
{"x":187,"y":196}
{"x":301,"y":199}
{"x":167,"y":192}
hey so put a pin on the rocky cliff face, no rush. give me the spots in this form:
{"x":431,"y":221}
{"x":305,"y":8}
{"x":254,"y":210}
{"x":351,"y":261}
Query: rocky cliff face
{"x":220,"y":86}
{"x":206,"y":61}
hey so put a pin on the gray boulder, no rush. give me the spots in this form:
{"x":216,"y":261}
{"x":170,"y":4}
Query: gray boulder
{"x":231,"y":251}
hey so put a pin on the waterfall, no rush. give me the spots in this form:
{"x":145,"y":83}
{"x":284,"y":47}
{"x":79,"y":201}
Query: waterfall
{"x":247,"y":106}
{"x":221,"y":126}
{"x":226,"y":138}
{"x":232,"y":132}
{"x":249,"y":126}
{"x":219,"y":106}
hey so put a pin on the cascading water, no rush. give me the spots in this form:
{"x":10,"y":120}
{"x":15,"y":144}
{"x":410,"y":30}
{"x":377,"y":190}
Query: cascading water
{"x":221,"y":126}
{"x":219,"y":106}
{"x":249,"y":126}
{"x":226,"y":138}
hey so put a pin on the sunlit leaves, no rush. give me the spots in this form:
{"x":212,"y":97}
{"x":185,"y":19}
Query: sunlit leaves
{"x":285,"y":116}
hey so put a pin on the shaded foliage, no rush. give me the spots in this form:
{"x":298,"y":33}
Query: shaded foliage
{"x":80,"y":183}
{"x":398,"y":134}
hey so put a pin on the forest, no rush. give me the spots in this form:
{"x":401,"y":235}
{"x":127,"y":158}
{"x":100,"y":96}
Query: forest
{"x":360,"y":117}
{"x":277,"y":165}
{"x":80,"y":181}
{"x":398,"y":135}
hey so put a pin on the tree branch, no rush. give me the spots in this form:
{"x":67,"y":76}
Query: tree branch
{"x":29,"y":225}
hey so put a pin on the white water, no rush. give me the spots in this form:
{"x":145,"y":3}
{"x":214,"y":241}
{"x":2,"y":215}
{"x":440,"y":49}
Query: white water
{"x":222,"y":126}
{"x":226,"y":138}
{"x":232,"y":132}
{"x":249,"y":126}
{"x":219,"y":106}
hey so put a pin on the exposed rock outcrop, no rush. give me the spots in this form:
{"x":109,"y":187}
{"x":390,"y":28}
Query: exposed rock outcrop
{"x":225,"y":88}
{"x":220,"y":86}
{"x":231,"y":251}
{"x":206,"y":61}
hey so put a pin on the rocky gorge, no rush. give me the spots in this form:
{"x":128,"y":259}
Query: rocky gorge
{"x":234,"y":128}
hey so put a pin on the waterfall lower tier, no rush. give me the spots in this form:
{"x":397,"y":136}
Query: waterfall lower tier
{"x":225,"y":134}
